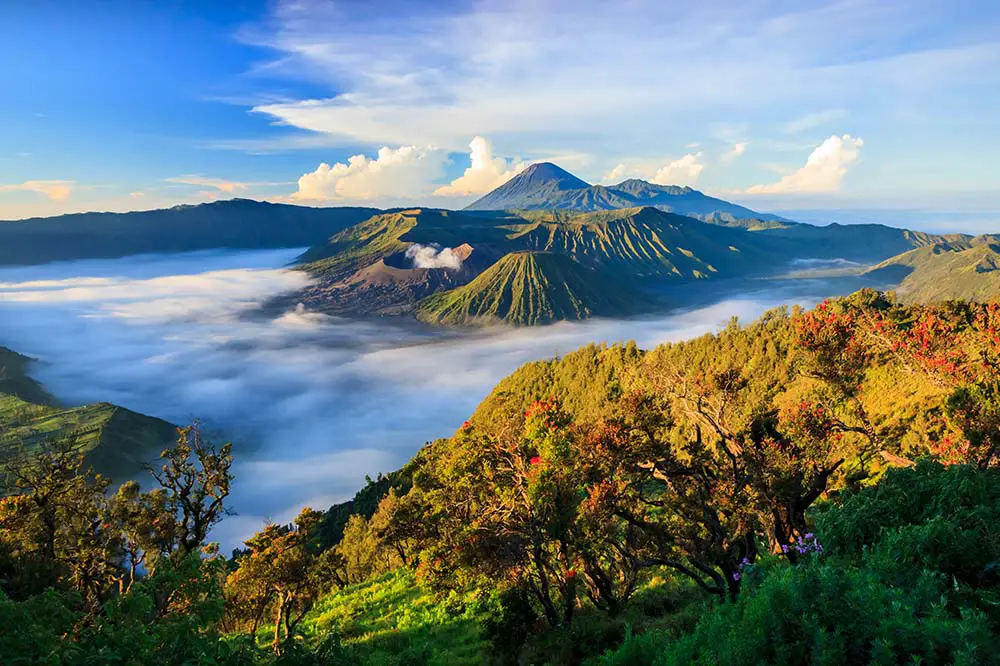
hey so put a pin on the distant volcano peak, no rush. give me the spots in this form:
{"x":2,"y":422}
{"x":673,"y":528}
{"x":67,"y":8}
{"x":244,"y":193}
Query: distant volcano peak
{"x":546,"y":186}
{"x":542,"y":173}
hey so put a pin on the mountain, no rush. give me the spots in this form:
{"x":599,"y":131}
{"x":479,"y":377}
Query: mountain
{"x":545,"y":186}
{"x":962,"y":268}
{"x":368,"y":269}
{"x":236,"y":223}
{"x":117,"y":440}
{"x":525,"y":289}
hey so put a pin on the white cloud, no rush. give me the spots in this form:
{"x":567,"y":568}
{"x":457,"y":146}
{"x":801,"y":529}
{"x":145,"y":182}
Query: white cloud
{"x":55,"y":190}
{"x":219,"y":184}
{"x":683,"y":171}
{"x":734,"y":153}
{"x":824,"y":170}
{"x":401,"y":173}
{"x":486,"y":173}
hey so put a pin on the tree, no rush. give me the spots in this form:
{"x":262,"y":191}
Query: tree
{"x":523,"y":505}
{"x":57,"y":523}
{"x":196,"y":480}
{"x":282,"y":571}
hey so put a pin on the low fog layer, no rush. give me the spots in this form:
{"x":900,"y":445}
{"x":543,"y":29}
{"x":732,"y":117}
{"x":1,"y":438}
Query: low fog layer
{"x":311,"y":402}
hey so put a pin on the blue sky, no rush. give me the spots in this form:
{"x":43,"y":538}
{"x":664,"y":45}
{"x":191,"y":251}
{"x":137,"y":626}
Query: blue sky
{"x":780,"y":105}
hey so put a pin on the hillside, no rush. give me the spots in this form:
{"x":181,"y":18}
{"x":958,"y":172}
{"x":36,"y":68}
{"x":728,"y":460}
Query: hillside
{"x":237,"y":223}
{"x":526,"y":289}
{"x":118,"y":440}
{"x":961,"y":269}
{"x":545,"y":186}
{"x":827,"y":476}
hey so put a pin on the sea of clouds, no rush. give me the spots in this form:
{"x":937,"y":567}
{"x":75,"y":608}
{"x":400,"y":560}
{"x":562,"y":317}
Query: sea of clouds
{"x":312,"y":403}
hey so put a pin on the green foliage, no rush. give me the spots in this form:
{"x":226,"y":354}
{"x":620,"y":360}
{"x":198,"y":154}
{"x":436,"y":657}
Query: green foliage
{"x":824,"y":613}
{"x":927,"y":517}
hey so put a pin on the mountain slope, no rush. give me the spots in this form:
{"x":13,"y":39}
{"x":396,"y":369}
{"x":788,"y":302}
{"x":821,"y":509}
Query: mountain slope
{"x":545,"y":186}
{"x":967,"y":269}
{"x":643,"y":242}
{"x":528,"y":288}
{"x":237,"y":223}
{"x":118,"y":441}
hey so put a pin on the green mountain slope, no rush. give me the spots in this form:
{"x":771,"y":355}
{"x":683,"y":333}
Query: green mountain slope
{"x":957,"y":269}
{"x":528,"y":288}
{"x":238,"y":223}
{"x":117,"y":440}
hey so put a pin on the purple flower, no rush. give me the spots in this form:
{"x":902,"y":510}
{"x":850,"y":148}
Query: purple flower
{"x":784,"y":548}
{"x":736,"y":575}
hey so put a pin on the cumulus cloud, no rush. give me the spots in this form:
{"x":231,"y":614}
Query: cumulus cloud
{"x":683,"y":171}
{"x":55,"y":190}
{"x":433,"y":256}
{"x":824,"y":170}
{"x":218,"y":184}
{"x":401,"y":173}
{"x":302,"y":396}
{"x":486,"y":173}
{"x":734,"y":153}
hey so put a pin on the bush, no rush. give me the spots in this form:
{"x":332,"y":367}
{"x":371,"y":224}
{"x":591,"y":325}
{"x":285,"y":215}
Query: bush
{"x":823,"y":614}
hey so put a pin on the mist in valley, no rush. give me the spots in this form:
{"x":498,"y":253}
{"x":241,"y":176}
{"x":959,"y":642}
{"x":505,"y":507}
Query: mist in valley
{"x":312,"y":403}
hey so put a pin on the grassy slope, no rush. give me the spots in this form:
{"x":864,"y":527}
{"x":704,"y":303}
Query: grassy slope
{"x":393,"y":620}
{"x":527,"y":288}
{"x":118,"y":440}
{"x":967,"y":270}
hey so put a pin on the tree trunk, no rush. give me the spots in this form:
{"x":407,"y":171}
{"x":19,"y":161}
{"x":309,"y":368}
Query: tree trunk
{"x":278,"y":617}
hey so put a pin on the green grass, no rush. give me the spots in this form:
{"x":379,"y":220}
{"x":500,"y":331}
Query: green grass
{"x":392,"y":619}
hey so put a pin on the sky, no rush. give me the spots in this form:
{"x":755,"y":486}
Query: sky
{"x":781,"y":105}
